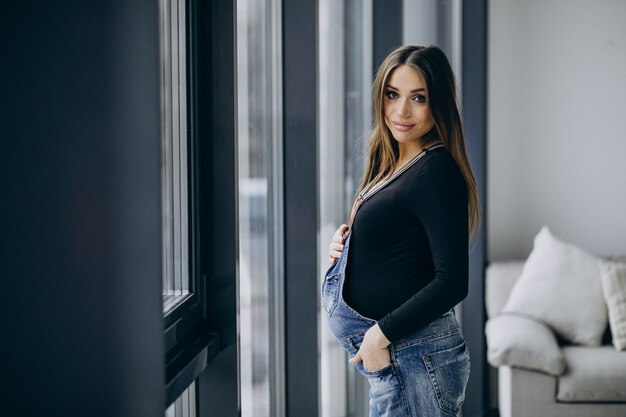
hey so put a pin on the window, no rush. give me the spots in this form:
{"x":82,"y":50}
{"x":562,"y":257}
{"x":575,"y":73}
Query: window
{"x":436,"y":23}
{"x":345,"y":75}
{"x":189,"y":345}
{"x":174,"y":167}
{"x":260,"y":208}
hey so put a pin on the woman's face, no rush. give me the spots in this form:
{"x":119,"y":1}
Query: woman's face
{"x":405,"y":105}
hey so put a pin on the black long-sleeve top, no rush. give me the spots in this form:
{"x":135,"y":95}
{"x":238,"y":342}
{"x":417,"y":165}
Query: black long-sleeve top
{"x":408,"y":255}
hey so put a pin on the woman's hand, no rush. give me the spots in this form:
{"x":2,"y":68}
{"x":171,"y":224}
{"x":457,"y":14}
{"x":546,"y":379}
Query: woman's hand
{"x":336,"y":245}
{"x":373,"y":351}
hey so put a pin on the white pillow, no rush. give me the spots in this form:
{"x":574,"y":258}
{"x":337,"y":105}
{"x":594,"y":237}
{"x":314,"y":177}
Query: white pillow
{"x":560,"y":285}
{"x":614,"y":287}
{"x":523,"y":343}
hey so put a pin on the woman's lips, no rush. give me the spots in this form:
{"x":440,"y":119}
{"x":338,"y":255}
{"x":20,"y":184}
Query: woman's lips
{"x":402,"y":127}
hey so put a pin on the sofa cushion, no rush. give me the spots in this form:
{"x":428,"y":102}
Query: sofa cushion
{"x":560,"y":285}
{"x":594,"y":374}
{"x":500,"y":277}
{"x":524,"y":343}
{"x":613,"y":276}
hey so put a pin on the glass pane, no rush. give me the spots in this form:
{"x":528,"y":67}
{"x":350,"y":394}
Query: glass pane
{"x":185,"y":405}
{"x":260,"y":207}
{"x":174,"y":154}
{"x":345,"y":76}
{"x":438,"y":23}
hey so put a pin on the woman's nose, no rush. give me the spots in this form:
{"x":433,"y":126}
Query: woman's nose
{"x":404,"y":108}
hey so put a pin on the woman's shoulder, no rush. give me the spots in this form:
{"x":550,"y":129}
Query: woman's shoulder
{"x":437,"y":177}
{"x":439,"y":163}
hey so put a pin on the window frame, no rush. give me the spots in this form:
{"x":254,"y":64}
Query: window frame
{"x":183,"y":318}
{"x":189,"y":343}
{"x":175,"y":142}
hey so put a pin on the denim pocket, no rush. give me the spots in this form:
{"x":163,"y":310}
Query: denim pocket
{"x":330,"y":293}
{"x":449,"y":372}
{"x":352,"y":345}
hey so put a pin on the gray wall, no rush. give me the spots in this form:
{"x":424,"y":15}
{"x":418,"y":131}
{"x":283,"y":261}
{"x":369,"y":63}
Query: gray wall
{"x":556,"y":131}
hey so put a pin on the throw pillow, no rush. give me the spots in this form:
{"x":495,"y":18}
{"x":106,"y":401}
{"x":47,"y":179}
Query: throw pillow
{"x":523,"y":343}
{"x":613,"y":277}
{"x":560,"y":285}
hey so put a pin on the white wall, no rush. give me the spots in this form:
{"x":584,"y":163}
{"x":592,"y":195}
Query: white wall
{"x":557,"y":128}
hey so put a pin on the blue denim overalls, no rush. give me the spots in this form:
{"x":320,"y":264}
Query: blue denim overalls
{"x":429,"y":368}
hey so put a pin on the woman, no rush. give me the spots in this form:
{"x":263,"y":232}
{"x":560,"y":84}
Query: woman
{"x":390,"y":303}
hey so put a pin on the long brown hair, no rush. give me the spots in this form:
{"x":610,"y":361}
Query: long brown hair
{"x":433,"y":66}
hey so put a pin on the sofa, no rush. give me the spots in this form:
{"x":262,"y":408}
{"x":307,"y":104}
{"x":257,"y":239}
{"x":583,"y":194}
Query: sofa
{"x":541,"y":374}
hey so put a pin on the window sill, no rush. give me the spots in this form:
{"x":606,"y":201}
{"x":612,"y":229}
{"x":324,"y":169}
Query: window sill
{"x":187,"y":364}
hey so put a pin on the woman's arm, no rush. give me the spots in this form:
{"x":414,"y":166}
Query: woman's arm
{"x":439,"y":199}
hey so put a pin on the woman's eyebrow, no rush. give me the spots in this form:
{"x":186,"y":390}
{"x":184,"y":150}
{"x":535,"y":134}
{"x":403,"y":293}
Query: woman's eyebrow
{"x":417,"y":90}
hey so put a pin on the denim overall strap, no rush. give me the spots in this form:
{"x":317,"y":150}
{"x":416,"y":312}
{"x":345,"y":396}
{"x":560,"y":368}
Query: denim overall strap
{"x":371,"y":189}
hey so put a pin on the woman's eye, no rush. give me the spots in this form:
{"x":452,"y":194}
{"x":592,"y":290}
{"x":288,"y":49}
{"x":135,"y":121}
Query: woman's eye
{"x":391,"y":94}
{"x":420,"y":99}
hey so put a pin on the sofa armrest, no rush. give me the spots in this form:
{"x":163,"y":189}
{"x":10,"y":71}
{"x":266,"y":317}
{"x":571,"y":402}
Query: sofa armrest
{"x":500,"y":277}
{"x":522,"y":342}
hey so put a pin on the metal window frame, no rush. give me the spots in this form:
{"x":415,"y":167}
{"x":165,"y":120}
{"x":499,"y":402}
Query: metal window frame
{"x":215,"y":124}
{"x":387,"y":29}
{"x":183,"y":317}
{"x":193,"y":338}
{"x":174,"y":45}
{"x":474,"y":99}
{"x":301,"y":213}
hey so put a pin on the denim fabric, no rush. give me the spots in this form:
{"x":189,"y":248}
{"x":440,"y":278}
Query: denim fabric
{"x":429,"y":368}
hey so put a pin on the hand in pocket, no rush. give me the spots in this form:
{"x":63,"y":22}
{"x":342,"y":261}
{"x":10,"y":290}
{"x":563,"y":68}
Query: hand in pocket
{"x":374,"y":351}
